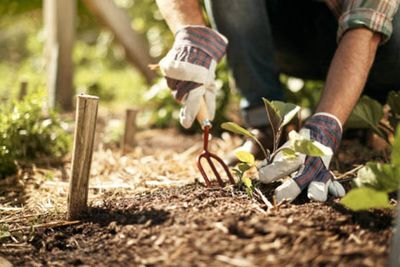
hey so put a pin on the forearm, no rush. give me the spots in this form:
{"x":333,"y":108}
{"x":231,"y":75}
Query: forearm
{"x":348,"y":72}
{"x":179,"y":13}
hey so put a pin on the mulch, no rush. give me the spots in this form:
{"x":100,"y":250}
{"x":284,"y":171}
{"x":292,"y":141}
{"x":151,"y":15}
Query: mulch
{"x":148,"y":208}
{"x":196,"y":226}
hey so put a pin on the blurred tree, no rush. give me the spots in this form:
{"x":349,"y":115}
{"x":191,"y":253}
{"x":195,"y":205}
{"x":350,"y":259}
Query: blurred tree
{"x":118,"y":22}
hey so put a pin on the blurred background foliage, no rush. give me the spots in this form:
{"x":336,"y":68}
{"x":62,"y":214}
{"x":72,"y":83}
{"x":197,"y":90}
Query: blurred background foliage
{"x":100,"y":65}
{"x":100,"y":68}
{"x":30,"y":132}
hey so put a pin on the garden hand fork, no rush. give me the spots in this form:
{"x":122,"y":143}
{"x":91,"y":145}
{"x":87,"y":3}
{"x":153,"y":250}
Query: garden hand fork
{"x":205,"y":123}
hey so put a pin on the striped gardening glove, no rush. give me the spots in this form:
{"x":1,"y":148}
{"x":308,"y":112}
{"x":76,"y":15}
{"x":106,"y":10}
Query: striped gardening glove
{"x":312,"y":172}
{"x":189,"y":68}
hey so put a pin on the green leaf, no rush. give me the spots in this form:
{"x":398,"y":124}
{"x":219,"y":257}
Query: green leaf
{"x":4,"y":231}
{"x":235,"y":128}
{"x":238,"y":173}
{"x":395,"y":156}
{"x":311,"y":148}
{"x":379,"y":176}
{"x":279,"y":114}
{"x":367,"y":113}
{"x":287,"y":111}
{"x":245,"y":157}
{"x":4,"y":234}
{"x":366,"y":198}
{"x":287,"y":152}
{"x":393,"y":102}
{"x":247,"y":181}
{"x":243,"y":167}
{"x":274,"y":117}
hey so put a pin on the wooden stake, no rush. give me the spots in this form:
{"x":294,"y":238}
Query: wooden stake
{"x":130,"y":130}
{"x":394,"y":256}
{"x":86,"y":114}
{"x":59,"y":25}
{"x":23,"y":90}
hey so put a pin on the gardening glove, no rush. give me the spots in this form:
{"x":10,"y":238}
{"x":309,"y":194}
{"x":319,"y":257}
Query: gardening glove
{"x":281,"y":166}
{"x":189,"y":68}
{"x":314,"y":174}
{"x":313,"y":171}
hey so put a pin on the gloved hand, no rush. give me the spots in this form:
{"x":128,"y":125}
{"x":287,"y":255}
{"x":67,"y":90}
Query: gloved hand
{"x":189,"y":68}
{"x":313,"y":172}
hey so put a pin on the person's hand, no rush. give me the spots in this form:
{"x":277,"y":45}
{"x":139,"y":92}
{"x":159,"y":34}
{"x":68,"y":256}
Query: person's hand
{"x":189,"y":68}
{"x":313,"y":172}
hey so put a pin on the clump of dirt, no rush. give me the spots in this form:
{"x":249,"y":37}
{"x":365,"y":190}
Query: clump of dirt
{"x":197,"y":226}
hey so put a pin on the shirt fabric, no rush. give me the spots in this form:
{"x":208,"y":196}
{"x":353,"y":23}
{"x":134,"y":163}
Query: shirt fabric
{"x":376,"y":15}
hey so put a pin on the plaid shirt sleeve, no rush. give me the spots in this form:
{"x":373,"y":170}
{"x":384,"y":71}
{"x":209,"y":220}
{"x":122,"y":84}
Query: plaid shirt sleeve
{"x":376,"y":15}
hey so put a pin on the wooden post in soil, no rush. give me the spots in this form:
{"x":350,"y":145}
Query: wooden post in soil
{"x":129,"y":141}
{"x":23,"y":90}
{"x":85,"y":126}
{"x":394,"y":256}
{"x":59,"y":24}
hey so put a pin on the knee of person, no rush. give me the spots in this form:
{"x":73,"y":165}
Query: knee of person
{"x":385,"y":69}
{"x":238,"y":17}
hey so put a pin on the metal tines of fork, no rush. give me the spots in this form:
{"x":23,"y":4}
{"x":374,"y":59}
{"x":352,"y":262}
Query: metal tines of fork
{"x":209,"y":157}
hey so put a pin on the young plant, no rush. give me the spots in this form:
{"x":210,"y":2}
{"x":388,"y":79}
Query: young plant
{"x":393,"y":101}
{"x":279,"y":115}
{"x":375,"y":181}
{"x":28,"y":133}
{"x":237,"y":129}
{"x":369,"y":113}
{"x":247,"y":161}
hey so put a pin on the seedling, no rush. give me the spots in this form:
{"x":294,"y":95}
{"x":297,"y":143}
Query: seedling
{"x":279,"y":115}
{"x":28,"y":132}
{"x":247,"y":161}
{"x":393,"y":101}
{"x":4,"y":231}
{"x":369,"y":113}
{"x":375,"y":181}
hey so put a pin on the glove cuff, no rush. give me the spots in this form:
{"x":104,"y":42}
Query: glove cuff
{"x":326,"y":129}
{"x":331,"y":116}
{"x":208,"y":40}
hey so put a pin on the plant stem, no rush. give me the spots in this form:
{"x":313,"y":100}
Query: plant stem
{"x":266,"y":154}
{"x":277,"y":138}
{"x":274,"y":154}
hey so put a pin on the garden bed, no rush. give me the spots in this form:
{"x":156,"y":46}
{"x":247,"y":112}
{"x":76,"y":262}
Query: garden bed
{"x":149,"y":209}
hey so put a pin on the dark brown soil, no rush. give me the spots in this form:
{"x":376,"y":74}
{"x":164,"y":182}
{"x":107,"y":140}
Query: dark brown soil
{"x":189,"y":225}
{"x":196,"y":226}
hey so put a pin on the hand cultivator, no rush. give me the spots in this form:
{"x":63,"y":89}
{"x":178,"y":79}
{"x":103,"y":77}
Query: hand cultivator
{"x":205,"y":123}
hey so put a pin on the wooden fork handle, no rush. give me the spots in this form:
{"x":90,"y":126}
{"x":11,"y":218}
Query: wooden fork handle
{"x":202,"y":117}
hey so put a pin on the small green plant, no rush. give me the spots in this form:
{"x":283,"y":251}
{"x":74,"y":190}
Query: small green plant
{"x":393,"y":101}
{"x":4,"y":231}
{"x":369,"y":113}
{"x":375,"y":181}
{"x":28,"y":132}
{"x":279,"y":115}
{"x":247,"y":161}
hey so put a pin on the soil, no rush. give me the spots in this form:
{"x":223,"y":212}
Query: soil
{"x":197,"y":226}
{"x":191,"y":225}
